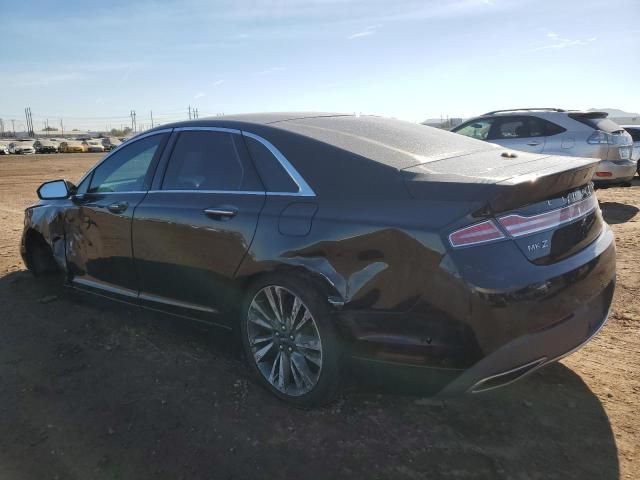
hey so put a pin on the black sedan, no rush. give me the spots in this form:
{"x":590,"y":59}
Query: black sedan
{"x":328,"y":239}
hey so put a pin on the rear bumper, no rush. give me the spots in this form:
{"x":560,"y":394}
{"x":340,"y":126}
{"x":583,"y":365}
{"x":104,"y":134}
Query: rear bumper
{"x":619,"y":171}
{"x":530,"y":352}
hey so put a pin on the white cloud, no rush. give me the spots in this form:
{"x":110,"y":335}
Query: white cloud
{"x":217,"y":82}
{"x":370,"y":30}
{"x":559,"y":42}
{"x":199,"y":95}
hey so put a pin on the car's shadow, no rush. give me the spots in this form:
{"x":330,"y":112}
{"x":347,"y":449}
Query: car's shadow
{"x":615,"y":212}
{"x":96,"y":390}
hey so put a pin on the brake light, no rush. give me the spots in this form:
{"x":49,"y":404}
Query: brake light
{"x":518,"y":225}
{"x":482,"y":232}
{"x":603,"y":174}
{"x":599,"y":137}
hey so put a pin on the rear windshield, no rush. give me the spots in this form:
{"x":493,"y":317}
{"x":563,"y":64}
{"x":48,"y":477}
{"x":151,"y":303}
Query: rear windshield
{"x":599,"y":121}
{"x":635,"y":133}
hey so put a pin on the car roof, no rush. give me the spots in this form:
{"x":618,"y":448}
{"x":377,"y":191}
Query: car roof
{"x":392,"y":142}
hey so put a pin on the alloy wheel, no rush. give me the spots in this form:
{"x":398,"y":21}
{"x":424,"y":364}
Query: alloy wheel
{"x":284,"y":340}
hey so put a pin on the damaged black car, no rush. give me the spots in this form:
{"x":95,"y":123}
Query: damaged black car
{"x":326,"y":239}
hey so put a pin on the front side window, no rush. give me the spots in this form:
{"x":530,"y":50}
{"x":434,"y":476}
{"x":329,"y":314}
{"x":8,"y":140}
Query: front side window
{"x":126,"y":170}
{"x":478,"y":129}
{"x":209,"y":160}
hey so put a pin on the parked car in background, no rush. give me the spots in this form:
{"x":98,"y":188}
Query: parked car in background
{"x":22,"y":147}
{"x":93,"y":145}
{"x":4,"y":149}
{"x":71,"y":146}
{"x":109,"y":143}
{"x":45,"y":146}
{"x":561,"y":132}
{"x":443,"y":260}
{"x":634,"y":131}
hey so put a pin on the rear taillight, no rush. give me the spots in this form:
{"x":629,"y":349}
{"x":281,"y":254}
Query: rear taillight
{"x":482,"y":232}
{"x":599,"y":137}
{"x":603,"y":174}
{"x":518,"y":225}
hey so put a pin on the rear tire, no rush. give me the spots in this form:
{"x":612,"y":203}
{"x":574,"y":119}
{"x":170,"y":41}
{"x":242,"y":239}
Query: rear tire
{"x":289,"y":340}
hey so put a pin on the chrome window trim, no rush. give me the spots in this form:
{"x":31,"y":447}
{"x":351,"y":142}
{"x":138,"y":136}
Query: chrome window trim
{"x":304,"y":190}
{"x":114,"y":150}
{"x":114,"y":193}
{"x":240,"y":192}
{"x":208,"y":129}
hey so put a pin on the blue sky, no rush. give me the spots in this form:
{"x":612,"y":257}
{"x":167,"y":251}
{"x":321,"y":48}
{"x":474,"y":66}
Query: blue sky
{"x":92,"y":63}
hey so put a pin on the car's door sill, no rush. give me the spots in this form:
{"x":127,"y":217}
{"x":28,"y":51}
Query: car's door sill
{"x":148,"y":301}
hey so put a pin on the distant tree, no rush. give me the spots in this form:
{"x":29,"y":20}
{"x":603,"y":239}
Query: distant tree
{"x":120,"y":133}
{"x":50,"y":129}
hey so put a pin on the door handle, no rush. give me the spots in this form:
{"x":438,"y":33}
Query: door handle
{"x":118,"y":207}
{"x":221,"y":213}
{"x":533,"y":144}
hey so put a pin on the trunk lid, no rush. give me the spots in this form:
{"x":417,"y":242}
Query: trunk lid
{"x":545,"y":204}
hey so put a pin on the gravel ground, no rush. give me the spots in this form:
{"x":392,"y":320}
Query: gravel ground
{"x":93,"y":389}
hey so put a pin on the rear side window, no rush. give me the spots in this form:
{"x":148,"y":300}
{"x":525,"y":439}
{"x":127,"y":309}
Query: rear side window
{"x":596,"y":120}
{"x":552,"y":129}
{"x":478,"y":129}
{"x":271,"y":171}
{"x":208,"y":160}
{"x":635,"y":133}
{"x":519,"y":127}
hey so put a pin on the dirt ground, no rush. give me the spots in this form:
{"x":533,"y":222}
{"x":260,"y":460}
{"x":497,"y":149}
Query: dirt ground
{"x":92,"y":389}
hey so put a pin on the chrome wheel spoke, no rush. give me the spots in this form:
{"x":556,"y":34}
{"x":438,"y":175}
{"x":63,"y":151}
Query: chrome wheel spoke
{"x":308,"y":343}
{"x":272,"y":375}
{"x":313,"y":358}
{"x":297,"y":378}
{"x":260,"y":321}
{"x":302,"y":367}
{"x":305,"y":318}
{"x":294,"y":312}
{"x":272,"y":303}
{"x":258,"y":340}
{"x":259,"y":355}
{"x":263,"y":317}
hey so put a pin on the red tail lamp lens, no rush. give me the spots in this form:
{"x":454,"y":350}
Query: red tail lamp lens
{"x":482,"y":232}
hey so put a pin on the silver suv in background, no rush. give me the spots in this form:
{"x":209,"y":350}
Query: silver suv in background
{"x":634,"y":131}
{"x":560,"y":132}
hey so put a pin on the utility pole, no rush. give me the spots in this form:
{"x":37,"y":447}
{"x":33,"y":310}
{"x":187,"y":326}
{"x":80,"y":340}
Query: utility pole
{"x":151,"y":118}
{"x":1,"y":128}
{"x":13,"y":127}
{"x":189,"y":112}
{"x":196,"y":113}
{"x":133,"y":121}
{"x":61,"y":128}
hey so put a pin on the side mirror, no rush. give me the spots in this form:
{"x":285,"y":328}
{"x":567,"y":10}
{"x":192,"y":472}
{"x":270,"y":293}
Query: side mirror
{"x":55,"y":190}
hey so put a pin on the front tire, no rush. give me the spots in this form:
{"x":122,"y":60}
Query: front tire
{"x":289,"y":340}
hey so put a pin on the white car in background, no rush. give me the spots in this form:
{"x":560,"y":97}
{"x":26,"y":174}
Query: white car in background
{"x":93,"y":145}
{"x":634,"y":131}
{"x":4,"y":149}
{"x":22,"y":147}
{"x":560,"y":132}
